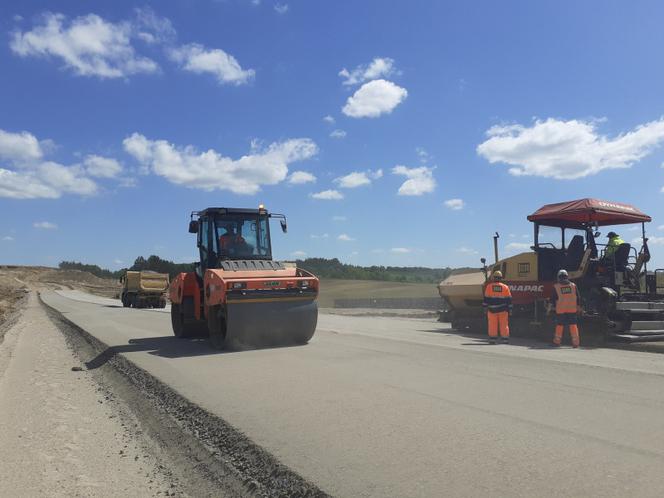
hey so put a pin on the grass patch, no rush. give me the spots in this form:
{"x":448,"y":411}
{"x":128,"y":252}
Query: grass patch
{"x":331,"y":289}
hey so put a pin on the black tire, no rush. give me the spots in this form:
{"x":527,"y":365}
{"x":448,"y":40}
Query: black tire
{"x":177,"y":321}
{"x":184,"y":328}
{"x":217,"y":328}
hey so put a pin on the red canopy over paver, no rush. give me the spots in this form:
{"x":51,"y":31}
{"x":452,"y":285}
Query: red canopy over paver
{"x":584,"y":211}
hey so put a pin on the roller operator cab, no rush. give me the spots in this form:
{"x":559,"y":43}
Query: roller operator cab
{"x":238,"y":293}
{"x":621,"y":299}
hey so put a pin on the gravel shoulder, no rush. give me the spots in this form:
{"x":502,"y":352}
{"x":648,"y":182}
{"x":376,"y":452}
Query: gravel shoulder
{"x":61,"y":434}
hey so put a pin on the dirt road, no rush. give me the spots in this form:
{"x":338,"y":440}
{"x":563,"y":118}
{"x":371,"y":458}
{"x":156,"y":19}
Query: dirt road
{"x":395,"y":407}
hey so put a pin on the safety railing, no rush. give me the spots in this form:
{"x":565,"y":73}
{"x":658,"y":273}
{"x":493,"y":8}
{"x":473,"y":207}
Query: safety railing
{"x":659,"y":280}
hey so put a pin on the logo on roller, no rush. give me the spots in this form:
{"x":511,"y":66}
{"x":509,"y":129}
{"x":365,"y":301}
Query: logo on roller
{"x":527,"y":288}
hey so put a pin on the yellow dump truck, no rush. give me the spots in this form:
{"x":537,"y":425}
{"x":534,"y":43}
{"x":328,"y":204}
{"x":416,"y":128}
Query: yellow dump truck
{"x":144,"y":289}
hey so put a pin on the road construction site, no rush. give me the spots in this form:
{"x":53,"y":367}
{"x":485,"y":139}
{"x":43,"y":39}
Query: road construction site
{"x":101,"y":400}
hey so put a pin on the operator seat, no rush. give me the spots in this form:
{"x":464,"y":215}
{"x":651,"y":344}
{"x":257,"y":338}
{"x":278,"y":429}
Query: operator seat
{"x":620,"y":257}
{"x":574,"y":254}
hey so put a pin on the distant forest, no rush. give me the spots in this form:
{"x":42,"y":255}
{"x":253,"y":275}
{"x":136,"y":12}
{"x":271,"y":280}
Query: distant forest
{"x":333,"y":268}
{"x":321,"y":267}
{"x":153,"y":263}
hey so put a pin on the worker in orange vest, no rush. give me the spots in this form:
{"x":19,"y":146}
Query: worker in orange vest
{"x":498,"y":306}
{"x":567,"y":305}
{"x":230,"y":241}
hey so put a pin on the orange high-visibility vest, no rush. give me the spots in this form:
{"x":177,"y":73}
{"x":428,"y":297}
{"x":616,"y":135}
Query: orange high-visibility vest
{"x":497,"y":297}
{"x":567,"y":298}
{"x":228,"y":240}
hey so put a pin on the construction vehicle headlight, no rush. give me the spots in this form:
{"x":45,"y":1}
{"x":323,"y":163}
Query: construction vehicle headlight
{"x":237,"y":285}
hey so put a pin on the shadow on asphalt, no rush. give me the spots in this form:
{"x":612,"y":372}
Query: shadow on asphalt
{"x":168,"y":347}
{"x":530,"y":343}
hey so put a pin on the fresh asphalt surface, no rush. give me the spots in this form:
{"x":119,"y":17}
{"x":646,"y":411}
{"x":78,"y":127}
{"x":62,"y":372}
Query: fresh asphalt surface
{"x":403,"y":407}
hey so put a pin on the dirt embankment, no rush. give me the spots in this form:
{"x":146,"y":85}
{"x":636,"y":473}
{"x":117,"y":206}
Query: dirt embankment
{"x":17,"y":281}
{"x":41,"y":277}
{"x":13,"y":295}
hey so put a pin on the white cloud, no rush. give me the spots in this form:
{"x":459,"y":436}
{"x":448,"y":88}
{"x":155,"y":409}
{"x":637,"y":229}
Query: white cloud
{"x":21,"y":185}
{"x":300,"y":177}
{"x":424,"y":156}
{"x":373,"y":99}
{"x":653,"y":240}
{"x":48,"y":180}
{"x":466,"y":250}
{"x":299,"y":254}
{"x":127,"y":182}
{"x":455,"y":204}
{"x":210,"y":170}
{"x":566,"y":150}
{"x":30,"y":177}
{"x":378,"y":68}
{"x":345,"y":238}
{"x":45,"y":225}
{"x":281,"y":8}
{"x":329,"y":119}
{"x":358,"y":178}
{"x":21,"y":146}
{"x":660,"y":227}
{"x":102,"y":167}
{"x":339,"y":218}
{"x":88,"y":45}
{"x":517,"y":246}
{"x":321,"y":236}
{"x":151,"y":28}
{"x":338,"y":134}
{"x":198,"y":59}
{"x":66,"y":179}
{"x":328,"y":195}
{"x":420,"y":180}
{"x":8,"y":238}
{"x":117,"y":261}
{"x":400,"y":250}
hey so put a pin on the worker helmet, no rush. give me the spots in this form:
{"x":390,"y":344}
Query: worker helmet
{"x":611,"y":235}
{"x":563,"y":275}
{"x":497,"y":275}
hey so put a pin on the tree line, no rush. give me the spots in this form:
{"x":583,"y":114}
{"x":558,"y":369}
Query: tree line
{"x":333,"y":268}
{"x":321,"y":267}
{"x":152,"y":263}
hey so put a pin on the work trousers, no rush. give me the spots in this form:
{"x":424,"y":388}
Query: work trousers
{"x":498,"y":322}
{"x":568,"y":319}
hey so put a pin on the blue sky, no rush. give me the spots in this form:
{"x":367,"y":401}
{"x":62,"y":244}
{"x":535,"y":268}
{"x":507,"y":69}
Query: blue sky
{"x":453,"y":120}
